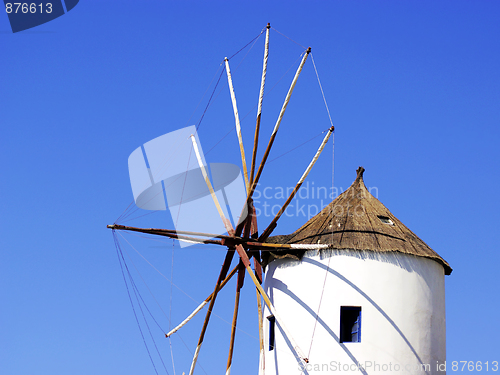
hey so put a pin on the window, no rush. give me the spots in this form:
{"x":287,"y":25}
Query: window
{"x":385,"y":220}
{"x":272,"y":323}
{"x":350,"y":324}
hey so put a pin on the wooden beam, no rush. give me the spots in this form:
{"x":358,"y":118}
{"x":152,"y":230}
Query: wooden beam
{"x":251,"y":243}
{"x":238,"y":125}
{"x":246,"y":261}
{"x":278,"y":122}
{"x":222,"y":275}
{"x":168,"y":232}
{"x":226,"y":222}
{"x":262,"y":362}
{"x":259,"y":108}
{"x":244,"y":257}
{"x":254,"y":233}
{"x":202,"y":305}
{"x":267,"y":232}
{"x":241,"y":277}
{"x":275,"y":131}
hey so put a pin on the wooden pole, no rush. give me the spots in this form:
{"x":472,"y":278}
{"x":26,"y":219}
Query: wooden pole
{"x":272,"y":225}
{"x":246,"y":261}
{"x":251,"y":243}
{"x":226,"y":222}
{"x":202,"y":305}
{"x":238,"y":126}
{"x":259,"y":108}
{"x":258,"y":270}
{"x":273,"y":135}
{"x":241,"y":276}
{"x":222,"y":275}
{"x":262,"y":363}
{"x":167,"y":232}
{"x":278,"y":122}
{"x":244,"y":257}
{"x":227,"y":260}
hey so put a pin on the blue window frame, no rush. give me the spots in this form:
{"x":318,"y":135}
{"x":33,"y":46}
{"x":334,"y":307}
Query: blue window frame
{"x":350,"y":324}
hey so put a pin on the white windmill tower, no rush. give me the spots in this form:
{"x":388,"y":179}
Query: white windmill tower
{"x":372,"y":301}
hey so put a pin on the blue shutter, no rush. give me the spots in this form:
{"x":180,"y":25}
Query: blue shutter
{"x":356,"y":330}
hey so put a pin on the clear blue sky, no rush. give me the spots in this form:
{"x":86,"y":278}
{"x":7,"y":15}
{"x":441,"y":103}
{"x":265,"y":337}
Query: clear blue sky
{"x":413,"y":88}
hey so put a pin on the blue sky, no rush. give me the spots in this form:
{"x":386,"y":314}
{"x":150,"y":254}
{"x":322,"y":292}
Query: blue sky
{"x":413,"y":88}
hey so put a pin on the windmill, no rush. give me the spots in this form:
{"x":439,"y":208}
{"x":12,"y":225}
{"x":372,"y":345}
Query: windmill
{"x":242,"y":239}
{"x":384,"y":288}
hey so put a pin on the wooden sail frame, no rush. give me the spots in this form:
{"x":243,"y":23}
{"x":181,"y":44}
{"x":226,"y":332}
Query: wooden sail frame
{"x":243,"y":239}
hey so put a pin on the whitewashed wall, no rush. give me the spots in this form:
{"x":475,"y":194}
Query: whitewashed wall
{"x":402,"y":298}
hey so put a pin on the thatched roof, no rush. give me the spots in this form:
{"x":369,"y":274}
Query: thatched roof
{"x":355,"y":220}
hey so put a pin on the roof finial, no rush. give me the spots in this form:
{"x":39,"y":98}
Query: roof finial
{"x":360,"y":172}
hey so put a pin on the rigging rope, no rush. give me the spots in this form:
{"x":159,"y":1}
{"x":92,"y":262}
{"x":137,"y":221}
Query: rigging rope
{"x":132,"y":210}
{"x":118,"y":247}
{"x":135,"y":217}
{"x":319,"y":306}
{"x":135,"y":209}
{"x":205,"y":93}
{"x":250,"y":111}
{"x":222,"y":63}
{"x":123,"y":213}
{"x":172,"y":262}
{"x":137,"y":296}
{"x":156,"y":269}
{"x":246,"y":45}
{"x":152,"y":295}
{"x":243,"y":59}
{"x":302,"y":144}
{"x":333,"y":169}
{"x":185,"y":293}
{"x":118,"y":251}
{"x":210,"y":99}
{"x":321,"y":88}
{"x":297,"y":43}
{"x":126,"y":214}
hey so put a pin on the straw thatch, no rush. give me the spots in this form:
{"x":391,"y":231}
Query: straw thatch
{"x":355,"y":220}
